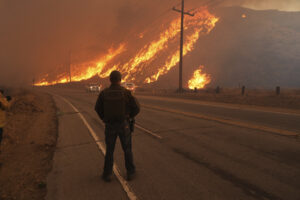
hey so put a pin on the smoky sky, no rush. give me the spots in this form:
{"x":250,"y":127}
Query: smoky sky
{"x":284,"y":5}
{"x":36,"y":36}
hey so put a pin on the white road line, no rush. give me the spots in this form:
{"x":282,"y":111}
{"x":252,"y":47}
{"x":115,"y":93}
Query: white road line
{"x":225,"y":121}
{"x":116,"y":170}
{"x":149,"y":132}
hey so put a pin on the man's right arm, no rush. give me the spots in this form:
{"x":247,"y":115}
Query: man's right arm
{"x":99,"y":106}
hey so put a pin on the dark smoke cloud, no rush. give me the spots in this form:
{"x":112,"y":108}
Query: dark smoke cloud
{"x":37,"y":36}
{"x":284,"y":5}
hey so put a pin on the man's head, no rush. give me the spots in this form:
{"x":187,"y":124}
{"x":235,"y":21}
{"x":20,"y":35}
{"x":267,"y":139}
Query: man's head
{"x":2,"y":92}
{"x":115,"y":77}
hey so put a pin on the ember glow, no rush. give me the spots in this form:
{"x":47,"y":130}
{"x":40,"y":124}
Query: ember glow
{"x":199,"y":79}
{"x":153,"y":60}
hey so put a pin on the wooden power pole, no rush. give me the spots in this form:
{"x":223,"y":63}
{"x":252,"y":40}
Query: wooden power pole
{"x":69,"y":63}
{"x":180,"y":89}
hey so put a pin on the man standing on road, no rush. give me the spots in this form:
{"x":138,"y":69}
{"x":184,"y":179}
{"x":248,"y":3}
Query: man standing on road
{"x":116,"y":107}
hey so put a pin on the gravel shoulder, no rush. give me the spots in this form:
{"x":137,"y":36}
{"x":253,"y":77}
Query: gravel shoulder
{"x":28,"y":146}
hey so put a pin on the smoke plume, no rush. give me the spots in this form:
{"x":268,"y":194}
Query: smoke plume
{"x":41,"y":37}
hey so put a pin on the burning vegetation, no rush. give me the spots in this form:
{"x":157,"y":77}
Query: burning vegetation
{"x":153,"y":60}
{"x":199,"y":79}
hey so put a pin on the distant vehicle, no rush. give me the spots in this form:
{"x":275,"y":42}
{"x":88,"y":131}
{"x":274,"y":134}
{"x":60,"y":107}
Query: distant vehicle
{"x":93,"y":88}
{"x":129,"y":86}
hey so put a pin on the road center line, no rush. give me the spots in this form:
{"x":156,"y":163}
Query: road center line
{"x":148,"y":131}
{"x":116,"y":170}
{"x":225,"y":121}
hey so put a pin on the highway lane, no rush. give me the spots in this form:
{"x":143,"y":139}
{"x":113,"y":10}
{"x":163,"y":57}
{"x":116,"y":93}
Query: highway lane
{"x":200,"y":159}
{"x":280,"y":119}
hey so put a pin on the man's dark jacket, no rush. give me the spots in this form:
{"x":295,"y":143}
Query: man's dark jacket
{"x":132,"y":105}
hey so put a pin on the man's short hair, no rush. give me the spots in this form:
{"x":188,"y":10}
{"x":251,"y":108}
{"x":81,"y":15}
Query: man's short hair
{"x":1,"y":91}
{"x":115,"y":76}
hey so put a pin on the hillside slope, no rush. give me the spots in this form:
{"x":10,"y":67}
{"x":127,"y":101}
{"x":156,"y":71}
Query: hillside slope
{"x":261,"y":50}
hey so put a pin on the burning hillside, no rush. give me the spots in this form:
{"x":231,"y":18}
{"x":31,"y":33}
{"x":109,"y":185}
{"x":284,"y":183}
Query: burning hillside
{"x":156,"y":58}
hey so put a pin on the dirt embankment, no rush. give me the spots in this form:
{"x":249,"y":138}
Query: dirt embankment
{"x":28,"y":146}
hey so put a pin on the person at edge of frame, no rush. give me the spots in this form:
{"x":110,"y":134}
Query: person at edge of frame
{"x":117,"y":107}
{"x":5,"y":103}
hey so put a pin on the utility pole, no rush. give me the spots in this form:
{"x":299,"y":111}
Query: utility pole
{"x":180,"y":89}
{"x":69,"y":65}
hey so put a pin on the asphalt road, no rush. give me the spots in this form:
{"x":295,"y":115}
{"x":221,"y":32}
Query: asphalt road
{"x":178,"y":156}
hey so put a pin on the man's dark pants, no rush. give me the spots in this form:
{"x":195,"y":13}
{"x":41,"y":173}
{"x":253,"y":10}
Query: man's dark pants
{"x":112,"y":131}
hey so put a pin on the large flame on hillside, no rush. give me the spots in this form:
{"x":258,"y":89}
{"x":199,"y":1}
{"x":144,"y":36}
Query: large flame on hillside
{"x":205,"y":23}
{"x":199,"y":79}
{"x":153,"y":60}
{"x":90,"y":71}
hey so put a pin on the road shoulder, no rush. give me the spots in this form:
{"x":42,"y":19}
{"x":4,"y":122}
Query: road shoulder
{"x":77,"y":167}
{"x":28,"y":145}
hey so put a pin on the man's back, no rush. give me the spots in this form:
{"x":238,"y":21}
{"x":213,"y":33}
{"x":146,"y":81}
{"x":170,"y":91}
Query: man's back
{"x":116,"y":103}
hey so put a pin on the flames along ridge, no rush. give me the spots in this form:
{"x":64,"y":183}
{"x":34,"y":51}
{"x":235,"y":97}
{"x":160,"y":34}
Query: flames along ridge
{"x":202,"y":23}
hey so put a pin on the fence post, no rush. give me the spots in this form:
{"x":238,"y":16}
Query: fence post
{"x":278,"y":90}
{"x":243,"y":90}
{"x":218,"y":90}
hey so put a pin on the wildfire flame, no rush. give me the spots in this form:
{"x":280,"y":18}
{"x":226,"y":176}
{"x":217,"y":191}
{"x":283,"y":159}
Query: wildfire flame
{"x":199,"y":79}
{"x":202,"y":20}
{"x":90,"y":71}
{"x":143,"y":65}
